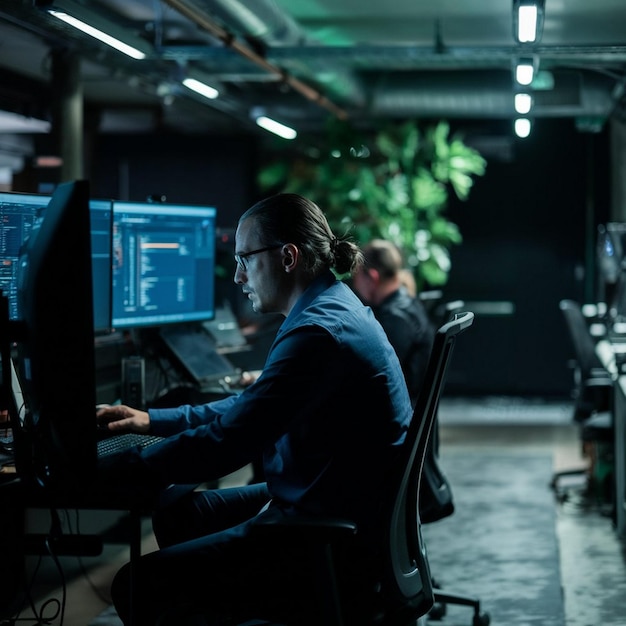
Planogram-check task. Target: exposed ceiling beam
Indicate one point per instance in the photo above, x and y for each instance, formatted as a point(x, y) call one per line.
point(204, 21)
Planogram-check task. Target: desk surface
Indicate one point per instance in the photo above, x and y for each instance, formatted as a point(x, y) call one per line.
point(606, 354)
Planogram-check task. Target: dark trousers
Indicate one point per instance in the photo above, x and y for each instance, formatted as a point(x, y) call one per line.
point(207, 563)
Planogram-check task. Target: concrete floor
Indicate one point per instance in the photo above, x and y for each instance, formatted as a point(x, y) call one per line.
point(592, 556)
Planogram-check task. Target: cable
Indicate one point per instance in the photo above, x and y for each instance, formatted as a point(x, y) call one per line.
point(56, 532)
point(38, 619)
point(83, 569)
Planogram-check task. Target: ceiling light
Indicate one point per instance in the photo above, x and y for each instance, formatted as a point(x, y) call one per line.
point(46, 161)
point(527, 20)
point(523, 103)
point(202, 88)
point(525, 71)
point(276, 127)
point(6, 176)
point(98, 34)
point(522, 127)
point(527, 24)
point(15, 123)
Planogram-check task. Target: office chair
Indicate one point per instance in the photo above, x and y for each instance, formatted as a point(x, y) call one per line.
point(592, 395)
point(430, 299)
point(404, 593)
point(444, 311)
point(436, 500)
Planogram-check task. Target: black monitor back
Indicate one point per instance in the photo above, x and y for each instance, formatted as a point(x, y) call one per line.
point(55, 346)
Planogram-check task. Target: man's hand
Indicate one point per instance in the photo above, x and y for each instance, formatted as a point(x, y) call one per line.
point(123, 418)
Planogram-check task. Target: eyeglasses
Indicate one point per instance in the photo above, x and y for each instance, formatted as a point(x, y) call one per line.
point(241, 259)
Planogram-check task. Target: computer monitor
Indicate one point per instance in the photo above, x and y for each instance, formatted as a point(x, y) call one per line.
point(18, 214)
point(55, 345)
point(611, 251)
point(101, 218)
point(163, 264)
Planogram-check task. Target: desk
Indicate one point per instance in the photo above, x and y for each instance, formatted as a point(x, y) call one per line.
point(18, 540)
point(620, 456)
point(606, 352)
point(21, 506)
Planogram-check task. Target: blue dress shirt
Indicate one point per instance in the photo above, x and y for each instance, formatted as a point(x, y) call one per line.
point(326, 413)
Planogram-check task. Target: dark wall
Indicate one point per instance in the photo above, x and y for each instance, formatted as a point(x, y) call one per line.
point(217, 171)
point(528, 229)
point(529, 239)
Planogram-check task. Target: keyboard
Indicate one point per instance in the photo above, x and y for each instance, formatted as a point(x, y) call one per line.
point(119, 443)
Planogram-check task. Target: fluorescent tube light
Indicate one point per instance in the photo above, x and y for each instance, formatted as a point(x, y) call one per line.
point(524, 72)
point(522, 127)
point(98, 34)
point(528, 18)
point(527, 23)
point(275, 127)
point(14, 123)
point(204, 90)
point(523, 102)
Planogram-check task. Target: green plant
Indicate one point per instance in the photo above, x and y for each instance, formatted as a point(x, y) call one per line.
point(392, 184)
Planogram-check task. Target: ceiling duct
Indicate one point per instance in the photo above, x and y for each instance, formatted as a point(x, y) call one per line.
point(406, 94)
point(482, 94)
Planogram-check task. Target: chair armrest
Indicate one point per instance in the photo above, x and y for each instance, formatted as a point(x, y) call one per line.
point(325, 529)
point(599, 372)
point(599, 382)
point(599, 427)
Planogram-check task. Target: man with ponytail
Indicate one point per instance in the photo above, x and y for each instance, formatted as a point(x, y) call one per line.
point(325, 415)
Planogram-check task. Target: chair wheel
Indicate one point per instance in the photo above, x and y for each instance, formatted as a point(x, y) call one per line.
point(437, 611)
point(481, 620)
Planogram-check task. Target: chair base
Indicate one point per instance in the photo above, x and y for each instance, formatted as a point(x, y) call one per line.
point(582, 472)
point(443, 598)
point(596, 478)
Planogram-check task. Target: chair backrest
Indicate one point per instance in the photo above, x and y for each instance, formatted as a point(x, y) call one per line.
point(445, 311)
point(436, 499)
point(407, 583)
point(582, 341)
point(430, 299)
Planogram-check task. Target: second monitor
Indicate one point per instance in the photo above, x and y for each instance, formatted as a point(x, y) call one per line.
point(163, 264)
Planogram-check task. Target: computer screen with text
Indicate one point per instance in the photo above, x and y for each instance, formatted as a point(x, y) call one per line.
point(163, 264)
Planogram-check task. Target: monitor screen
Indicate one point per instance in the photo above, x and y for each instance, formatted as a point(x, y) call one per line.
point(18, 214)
point(610, 251)
point(163, 264)
point(101, 218)
point(55, 347)
point(610, 257)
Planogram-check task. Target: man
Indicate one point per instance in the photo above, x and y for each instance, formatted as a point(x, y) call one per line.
point(379, 282)
point(326, 414)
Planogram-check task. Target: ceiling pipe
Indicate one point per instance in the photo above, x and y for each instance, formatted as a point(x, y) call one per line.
point(229, 40)
point(261, 20)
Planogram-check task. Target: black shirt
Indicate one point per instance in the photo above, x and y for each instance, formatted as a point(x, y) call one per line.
point(410, 332)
